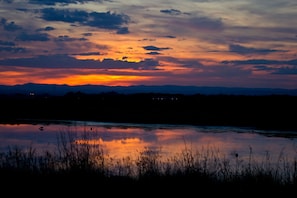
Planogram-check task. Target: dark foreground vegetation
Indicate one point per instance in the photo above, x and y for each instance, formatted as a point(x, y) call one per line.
point(265, 112)
point(84, 169)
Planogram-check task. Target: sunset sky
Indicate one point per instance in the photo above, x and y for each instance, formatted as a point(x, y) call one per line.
point(232, 43)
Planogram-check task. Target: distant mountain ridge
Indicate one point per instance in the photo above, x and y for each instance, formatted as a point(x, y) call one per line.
point(53, 89)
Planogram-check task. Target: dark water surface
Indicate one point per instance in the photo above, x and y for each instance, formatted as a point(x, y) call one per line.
point(120, 140)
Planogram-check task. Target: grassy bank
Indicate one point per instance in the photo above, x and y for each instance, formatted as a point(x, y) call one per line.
point(85, 168)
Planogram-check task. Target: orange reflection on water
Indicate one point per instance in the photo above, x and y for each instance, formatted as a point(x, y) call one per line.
point(118, 148)
point(120, 141)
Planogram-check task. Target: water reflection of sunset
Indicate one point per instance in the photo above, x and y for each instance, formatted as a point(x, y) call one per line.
point(128, 140)
point(119, 148)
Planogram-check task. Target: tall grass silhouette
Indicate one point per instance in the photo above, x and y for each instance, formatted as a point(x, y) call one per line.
point(80, 162)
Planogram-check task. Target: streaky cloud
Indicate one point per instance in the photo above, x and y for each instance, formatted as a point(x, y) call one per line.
point(87, 54)
point(153, 53)
point(249, 50)
point(12, 49)
point(154, 48)
point(66, 38)
point(64, 2)
point(32, 37)
point(261, 62)
point(286, 71)
point(66, 61)
point(273, 66)
point(7, 43)
point(171, 11)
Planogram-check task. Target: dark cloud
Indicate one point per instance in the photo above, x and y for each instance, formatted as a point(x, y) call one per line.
point(87, 34)
point(32, 37)
point(105, 20)
point(263, 68)
point(123, 30)
point(54, 2)
point(148, 64)
point(154, 48)
point(65, 38)
point(8, 46)
point(286, 70)
point(153, 53)
point(147, 39)
point(249, 50)
point(7, 43)
point(261, 62)
point(23, 9)
point(169, 36)
point(171, 12)
point(53, 61)
point(87, 54)
point(282, 67)
point(12, 49)
point(46, 29)
point(9, 26)
point(48, 2)
point(65, 61)
point(52, 14)
point(7, 1)
point(280, 70)
point(292, 62)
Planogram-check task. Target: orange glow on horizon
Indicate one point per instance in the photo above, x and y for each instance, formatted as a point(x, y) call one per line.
point(38, 76)
point(103, 79)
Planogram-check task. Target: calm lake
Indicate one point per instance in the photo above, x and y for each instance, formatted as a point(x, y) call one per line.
point(119, 140)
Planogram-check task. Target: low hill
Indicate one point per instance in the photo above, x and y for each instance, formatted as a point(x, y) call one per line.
point(53, 89)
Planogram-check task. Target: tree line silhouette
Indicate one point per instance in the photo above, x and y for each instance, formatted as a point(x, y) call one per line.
point(259, 111)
